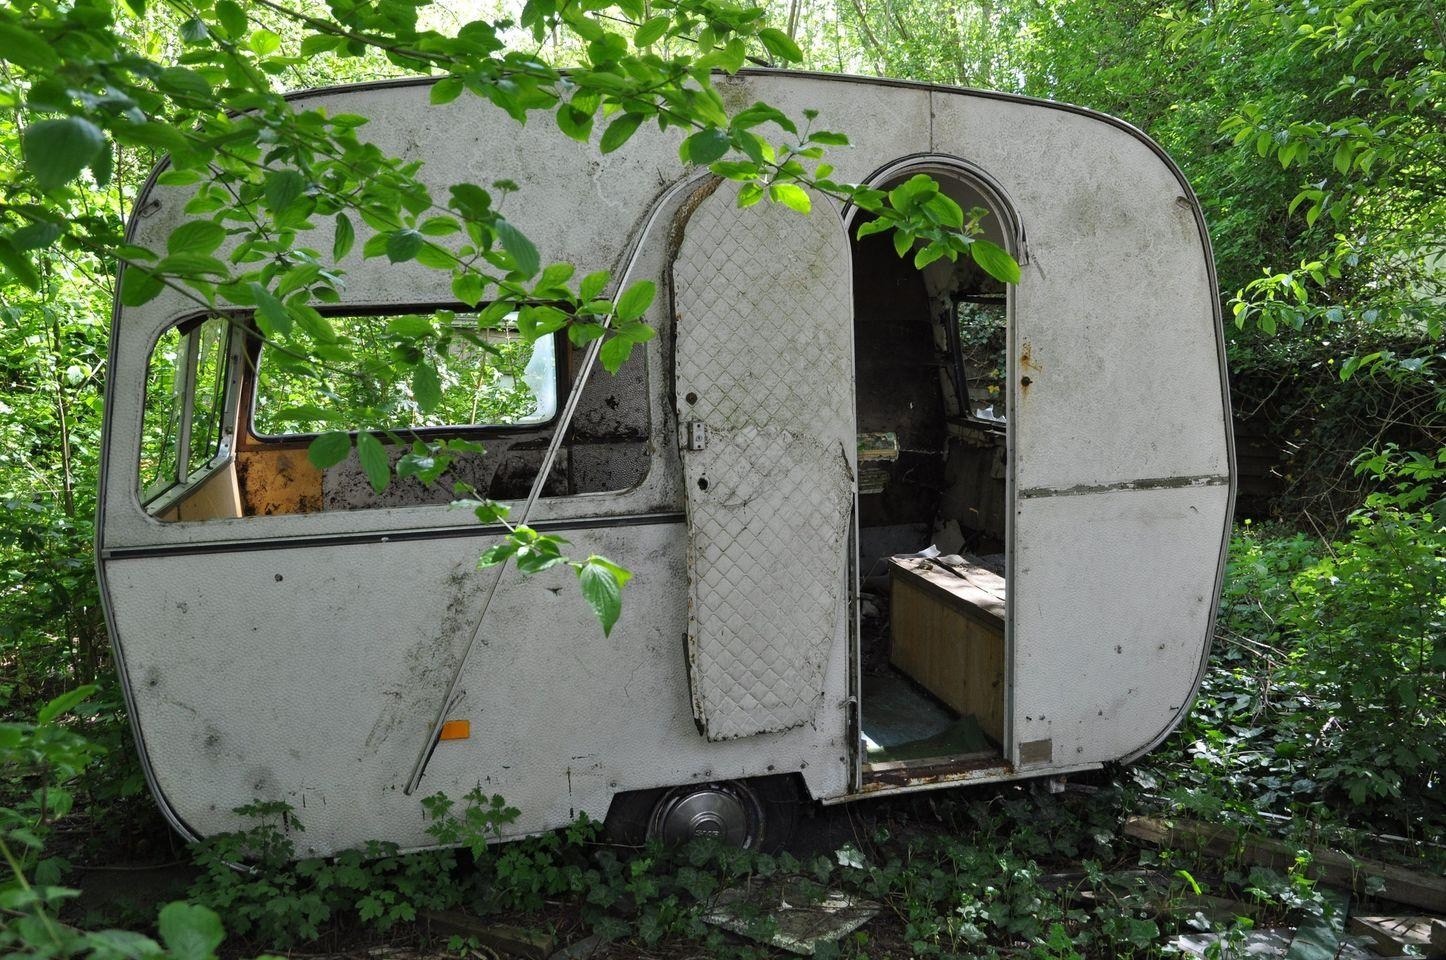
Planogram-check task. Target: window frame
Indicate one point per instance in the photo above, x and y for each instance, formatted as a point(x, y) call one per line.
point(249, 438)
point(956, 357)
point(157, 499)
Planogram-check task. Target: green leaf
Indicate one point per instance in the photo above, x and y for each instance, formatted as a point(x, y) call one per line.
point(704, 147)
point(373, 457)
point(20, 267)
point(57, 150)
point(26, 49)
point(271, 314)
point(196, 236)
point(139, 286)
point(282, 189)
point(593, 284)
point(615, 353)
point(471, 201)
point(619, 131)
point(329, 449)
point(36, 236)
point(515, 242)
point(995, 260)
point(190, 931)
point(467, 288)
point(426, 387)
point(64, 703)
point(232, 18)
point(780, 44)
point(445, 90)
point(829, 138)
point(791, 195)
point(635, 300)
point(344, 237)
point(651, 32)
point(602, 583)
point(402, 245)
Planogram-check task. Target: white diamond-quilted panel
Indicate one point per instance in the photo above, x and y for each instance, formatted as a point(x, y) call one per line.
point(764, 359)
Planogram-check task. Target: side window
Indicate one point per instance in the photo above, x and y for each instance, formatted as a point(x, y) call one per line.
point(185, 433)
point(485, 379)
point(983, 342)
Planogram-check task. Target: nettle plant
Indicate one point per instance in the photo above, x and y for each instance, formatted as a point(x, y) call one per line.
point(265, 171)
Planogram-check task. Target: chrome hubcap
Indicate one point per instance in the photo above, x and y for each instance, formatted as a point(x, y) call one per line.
point(719, 811)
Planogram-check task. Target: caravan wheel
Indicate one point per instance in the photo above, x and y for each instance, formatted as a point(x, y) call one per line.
point(748, 814)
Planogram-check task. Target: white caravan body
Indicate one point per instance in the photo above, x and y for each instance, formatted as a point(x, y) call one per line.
point(279, 643)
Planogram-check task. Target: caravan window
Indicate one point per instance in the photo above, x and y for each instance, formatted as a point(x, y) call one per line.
point(983, 333)
point(491, 378)
point(184, 431)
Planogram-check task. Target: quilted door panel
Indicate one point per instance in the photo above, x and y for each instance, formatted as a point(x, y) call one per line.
point(764, 362)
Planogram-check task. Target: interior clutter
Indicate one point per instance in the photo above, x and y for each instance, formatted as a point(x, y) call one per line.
point(931, 363)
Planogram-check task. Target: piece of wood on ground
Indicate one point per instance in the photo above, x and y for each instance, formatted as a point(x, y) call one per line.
point(789, 918)
point(1318, 937)
point(1394, 935)
point(1327, 866)
point(502, 938)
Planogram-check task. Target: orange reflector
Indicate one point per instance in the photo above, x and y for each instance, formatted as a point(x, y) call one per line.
point(456, 730)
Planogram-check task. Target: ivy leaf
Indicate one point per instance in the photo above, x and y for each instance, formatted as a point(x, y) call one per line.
point(190, 931)
point(515, 242)
point(602, 583)
point(329, 449)
point(57, 150)
point(994, 260)
point(373, 457)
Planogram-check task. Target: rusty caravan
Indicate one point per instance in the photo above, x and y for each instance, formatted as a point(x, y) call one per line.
point(891, 529)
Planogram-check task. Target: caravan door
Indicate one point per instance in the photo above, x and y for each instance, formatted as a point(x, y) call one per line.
point(764, 393)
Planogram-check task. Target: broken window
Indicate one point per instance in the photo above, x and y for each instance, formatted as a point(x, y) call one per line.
point(486, 378)
point(983, 342)
point(184, 433)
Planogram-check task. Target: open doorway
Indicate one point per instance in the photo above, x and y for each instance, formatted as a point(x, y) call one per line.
point(931, 368)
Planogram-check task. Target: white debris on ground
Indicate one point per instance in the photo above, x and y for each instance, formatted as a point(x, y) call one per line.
point(796, 921)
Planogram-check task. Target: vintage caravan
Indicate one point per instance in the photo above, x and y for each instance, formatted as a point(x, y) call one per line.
point(891, 530)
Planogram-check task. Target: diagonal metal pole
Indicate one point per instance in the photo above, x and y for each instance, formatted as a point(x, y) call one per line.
point(419, 767)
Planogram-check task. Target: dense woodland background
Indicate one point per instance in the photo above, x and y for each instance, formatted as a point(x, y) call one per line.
point(1315, 135)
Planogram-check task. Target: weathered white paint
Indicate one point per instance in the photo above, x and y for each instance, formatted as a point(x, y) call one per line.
point(300, 667)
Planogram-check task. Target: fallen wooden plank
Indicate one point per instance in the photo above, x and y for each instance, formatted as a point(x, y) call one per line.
point(1327, 866)
point(1392, 935)
point(502, 938)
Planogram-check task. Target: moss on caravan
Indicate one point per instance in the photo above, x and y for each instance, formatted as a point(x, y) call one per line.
point(814, 416)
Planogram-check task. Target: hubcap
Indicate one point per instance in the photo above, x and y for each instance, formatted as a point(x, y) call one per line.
point(721, 811)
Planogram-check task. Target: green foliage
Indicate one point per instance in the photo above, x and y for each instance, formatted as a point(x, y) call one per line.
point(1327, 701)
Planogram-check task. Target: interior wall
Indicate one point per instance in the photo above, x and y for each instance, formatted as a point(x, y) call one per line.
point(896, 367)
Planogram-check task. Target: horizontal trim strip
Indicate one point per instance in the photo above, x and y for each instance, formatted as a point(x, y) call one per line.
point(1151, 483)
point(389, 536)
